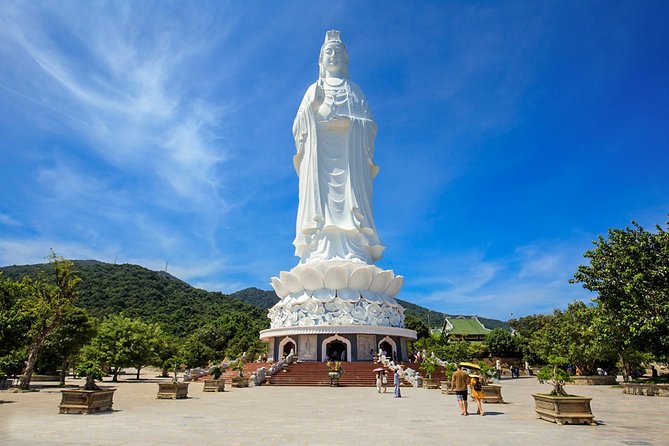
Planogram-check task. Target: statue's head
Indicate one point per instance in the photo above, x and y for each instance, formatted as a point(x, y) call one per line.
point(333, 56)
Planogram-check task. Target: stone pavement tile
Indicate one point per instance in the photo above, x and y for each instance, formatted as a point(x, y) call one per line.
point(327, 416)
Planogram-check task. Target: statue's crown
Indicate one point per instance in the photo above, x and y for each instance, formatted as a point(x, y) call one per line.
point(332, 36)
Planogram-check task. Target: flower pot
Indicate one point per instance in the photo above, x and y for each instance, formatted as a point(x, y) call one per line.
point(334, 378)
point(430, 383)
point(172, 390)
point(564, 409)
point(214, 385)
point(239, 381)
point(86, 401)
point(492, 393)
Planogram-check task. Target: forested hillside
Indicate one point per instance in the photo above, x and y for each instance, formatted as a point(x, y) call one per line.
point(150, 295)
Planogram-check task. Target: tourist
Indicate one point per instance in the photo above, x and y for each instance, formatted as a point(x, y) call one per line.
point(459, 385)
point(384, 381)
point(653, 372)
point(378, 382)
point(397, 384)
point(498, 370)
point(477, 392)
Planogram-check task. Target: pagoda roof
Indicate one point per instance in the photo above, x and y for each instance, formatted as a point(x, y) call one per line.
point(463, 325)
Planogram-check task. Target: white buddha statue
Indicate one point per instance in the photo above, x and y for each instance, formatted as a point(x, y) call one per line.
point(334, 135)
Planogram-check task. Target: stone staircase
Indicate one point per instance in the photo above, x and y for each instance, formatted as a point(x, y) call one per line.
point(356, 374)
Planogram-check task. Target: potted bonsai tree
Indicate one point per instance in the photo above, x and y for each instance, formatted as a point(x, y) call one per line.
point(334, 372)
point(90, 398)
point(173, 389)
point(558, 406)
point(492, 392)
point(428, 367)
point(215, 383)
point(240, 380)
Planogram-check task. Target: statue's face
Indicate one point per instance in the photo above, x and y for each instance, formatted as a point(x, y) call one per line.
point(334, 57)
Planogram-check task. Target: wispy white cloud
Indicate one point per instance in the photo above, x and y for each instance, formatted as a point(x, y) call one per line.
point(8, 220)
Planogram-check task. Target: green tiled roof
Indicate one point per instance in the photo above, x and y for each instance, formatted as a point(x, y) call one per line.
point(467, 326)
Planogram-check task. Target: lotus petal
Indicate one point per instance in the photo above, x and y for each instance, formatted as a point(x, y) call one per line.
point(311, 279)
point(324, 295)
point(348, 295)
point(371, 296)
point(279, 288)
point(381, 281)
point(290, 281)
point(335, 277)
point(360, 279)
point(394, 286)
point(301, 298)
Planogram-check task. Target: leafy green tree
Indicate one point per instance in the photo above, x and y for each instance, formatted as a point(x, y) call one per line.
point(14, 327)
point(525, 328)
point(501, 343)
point(76, 330)
point(413, 323)
point(629, 273)
point(49, 298)
point(574, 335)
point(123, 342)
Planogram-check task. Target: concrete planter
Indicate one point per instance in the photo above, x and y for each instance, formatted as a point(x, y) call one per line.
point(492, 393)
point(430, 383)
point(86, 401)
point(593, 380)
point(446, 388)
point(239, 382)
point(172, 390)
point(646, 389)
point(564, 409)
point(214, 385)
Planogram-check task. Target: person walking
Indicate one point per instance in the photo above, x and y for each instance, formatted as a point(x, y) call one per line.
point(459, 385)
point(397, 384)
point(378, 381)
point(384, 381)
point(477, 392)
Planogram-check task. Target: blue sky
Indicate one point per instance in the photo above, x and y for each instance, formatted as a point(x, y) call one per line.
point(511, 134)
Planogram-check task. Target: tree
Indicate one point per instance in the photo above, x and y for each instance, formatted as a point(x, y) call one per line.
point(49, 298)
point(413, 323)
point(629, 271)
point(525, 328)
point(122, 342)
point(14, 327)
point(76, 330)
point(501, 342)
point(574, 335)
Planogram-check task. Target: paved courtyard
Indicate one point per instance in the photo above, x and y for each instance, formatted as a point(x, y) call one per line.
point(326, 416)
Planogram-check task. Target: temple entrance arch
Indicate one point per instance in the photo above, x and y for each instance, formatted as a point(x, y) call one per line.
point(334, 346)
point(389, 346)
point(286, 345)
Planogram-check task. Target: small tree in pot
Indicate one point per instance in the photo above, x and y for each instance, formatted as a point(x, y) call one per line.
point(558, 406)
point(216, 384)
point(90, 398)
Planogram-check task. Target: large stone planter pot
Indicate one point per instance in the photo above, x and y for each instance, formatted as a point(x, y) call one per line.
point(214, 385)
point(239, 382)
point(492, 393)
point(646, 389)
point(446, 388)
point(334, 378)
point(564, 409)
point(594, 380)
point(86, 401)
point(172, 390)
point(430, 383)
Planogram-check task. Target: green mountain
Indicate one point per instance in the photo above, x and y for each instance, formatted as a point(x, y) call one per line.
point(157, 296)
point(150, 295)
